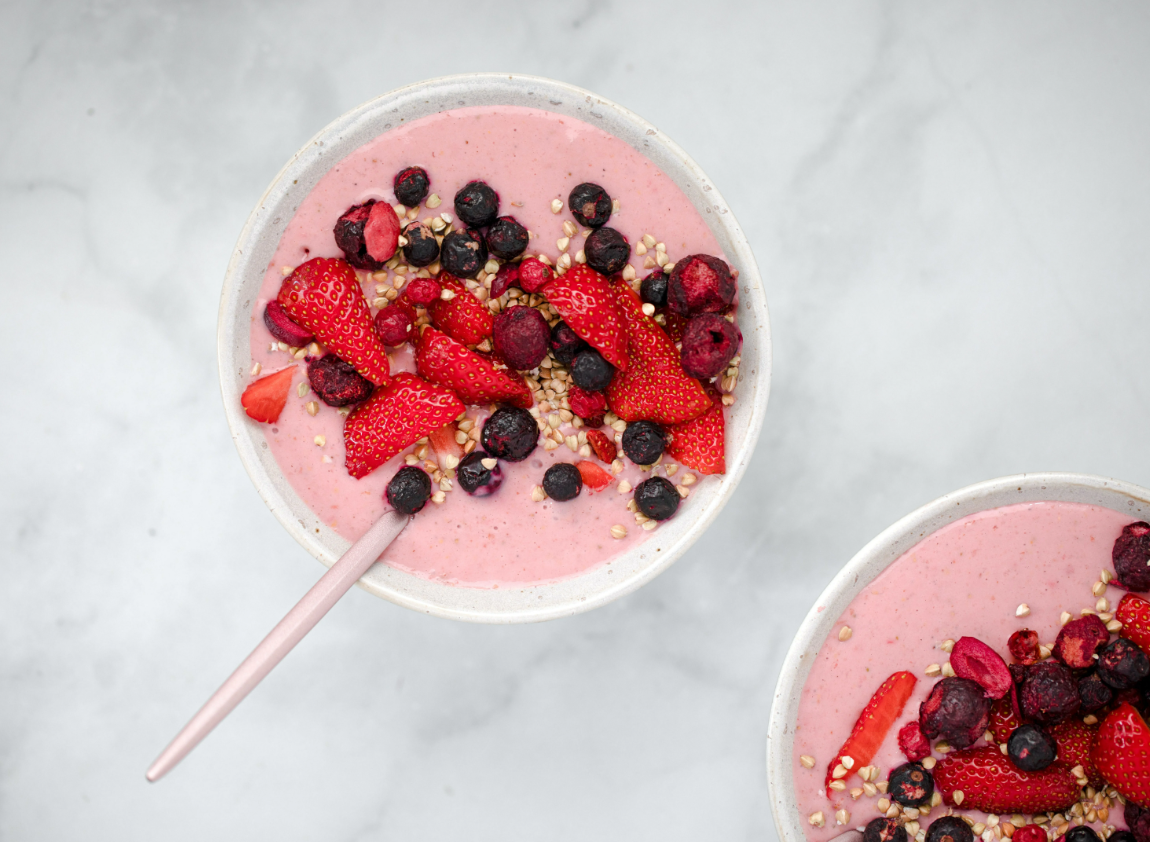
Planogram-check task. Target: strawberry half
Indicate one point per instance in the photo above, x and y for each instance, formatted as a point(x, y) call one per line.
point(463, 317)
point(583, 298)
point(594, 477)
point(871, 728)
point(602, 445)
point(989, 781)
point(1134, 615)
point(655, 387)
point(266, 398)
point(476, 380)
point(324, 296)
point(699, 443)
point(1122, 753)
point(1075, 740)
point(395, 418)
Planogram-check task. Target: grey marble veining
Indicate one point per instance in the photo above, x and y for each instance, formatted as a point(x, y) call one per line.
point(948, 204)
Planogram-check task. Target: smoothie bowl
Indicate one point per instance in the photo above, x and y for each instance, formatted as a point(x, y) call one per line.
point(510, 307)
point(978, 670)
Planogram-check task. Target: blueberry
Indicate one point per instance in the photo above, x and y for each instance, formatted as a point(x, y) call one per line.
point(1083, 833)
point(1122, 836)
point(1094, 693)
point(411, 184)
point(1122, 664)
point(422, 248)
point(653, 290)
point(910, 785)
point(957, 710)
point(590, 371)
point(562, 481)
point(349, 237)
point(949, 829)
point(565, 343)
point(506, 238)
point(510, 433)
point(409, 490)
point(644, 442)
point(590, 205)
point(1030, 748)
point(884, 830)
point(336, 382)
point(657, 498)
point(477, 204)
point(475, 477)
point(606, 250)
point(463, 253)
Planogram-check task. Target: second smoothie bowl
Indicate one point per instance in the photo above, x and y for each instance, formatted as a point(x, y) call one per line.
point(516, 307)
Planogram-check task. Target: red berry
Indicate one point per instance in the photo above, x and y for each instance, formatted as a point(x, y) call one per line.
point(1131, 556)
point(709, 343)
point(533, 274)
point(522, 337)
point(870, 729)
point(505, 278)
point(1023, 646)
point(587, 405)
point(266, 398)
point(957, 710)
point(973, 659)
point(393, 325)
point(990, 782)
point(584, 301)
point(1030, 833)
point(473, 377)
point(283, 328)
point(1079, 641)
point(700, 283)
point(602, 445)
point(594, 477)
point(463, 317)
point(336, 383)
point(1122, 753)
point(912, 742)
point(381, 232)
point(422, 291)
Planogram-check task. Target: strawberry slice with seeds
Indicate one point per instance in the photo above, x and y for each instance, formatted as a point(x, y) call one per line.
point(655, 387)
point(699, 443)
point(1122, 753)
point(1134, 615)
point(461, 316)
point(475, 378)
point(602, 445)
point(324, 296)
point(583, 299)
point(989, 781)
point(1003, 719)
point(266, 398)
point(393, 419)
point(871, 728)
point(444, 444)
point(594, 477)
point(1075, 740)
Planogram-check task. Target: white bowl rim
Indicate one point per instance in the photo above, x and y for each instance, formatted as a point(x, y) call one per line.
point(529, 603)
point(876, 556)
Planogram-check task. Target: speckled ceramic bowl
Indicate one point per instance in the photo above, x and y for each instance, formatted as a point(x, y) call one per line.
point(872, 560)
point(257, 243)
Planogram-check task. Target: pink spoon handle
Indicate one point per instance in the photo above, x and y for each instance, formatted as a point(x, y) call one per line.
point(282, 639)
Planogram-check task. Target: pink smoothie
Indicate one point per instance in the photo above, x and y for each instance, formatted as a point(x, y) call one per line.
point(967, 579)
point(529, 157)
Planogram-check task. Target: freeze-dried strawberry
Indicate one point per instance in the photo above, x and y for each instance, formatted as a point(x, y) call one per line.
point(603, 447)
point(872, 726)
point(1079, 641)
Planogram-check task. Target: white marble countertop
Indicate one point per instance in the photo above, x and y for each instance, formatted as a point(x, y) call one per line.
point(950, 208)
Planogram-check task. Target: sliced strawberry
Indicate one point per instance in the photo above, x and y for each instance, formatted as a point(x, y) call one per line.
point(473, 377)
point(655, 387)
point(1122, 753)
point(583, 298)
point(444, 444)
point(1134, 615)
point(395, 418)
point(462, 317)
point(675, 326)
point(1003, 719)
point(381, 232)
point(871, 728)
point(602, 445)
point(699, 443)
point(1075, 741)
point(266, 398)
point(594, 477)
point(324, 296)
point(989, 781)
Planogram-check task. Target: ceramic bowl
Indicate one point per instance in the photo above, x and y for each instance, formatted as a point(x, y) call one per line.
point(257, 243)
point(872, 560)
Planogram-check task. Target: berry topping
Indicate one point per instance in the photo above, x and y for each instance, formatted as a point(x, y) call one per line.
point(594, 477)
point(884, 830)
point(479, 474)
point(644, 442)
point(462, 316)
point(265, 399)
point(1049, 694)
point(709, 343)
point(409, 490)
point(1082, 833)
point(870, 729)
point(653, 290)
point(477, 204)
point(1030, 833)
point(956, 710)
point(473, 377)
point(607, 251)
point(505, 278)
point(506, 238)
point(1031, 749)
point(699, 443)
point(912, 742)
point(949, 829)
point(1134, 614)
point(1023, 646)
point(411, 185)
point(1122, 756)
point(337, 383)
point(584, 300)
point(603, 447)
point(393, 324)
point(565, 343)
point(1122, 664)
point(1122, 835)
point(283, 328)
point(590, 371)
point(590, 205)
point(700, 284)
point(1003, 719)
point(657, 498)
point(534, 274)
point(910, 785)
point(973, 659)
point(1131, 556)
point(463, 253)
point(1079, 640)
point(1075, 741)
point(422, 248)
point(562, 481)
point(443, 442)
point(1138, 820)
point(510, 433)
point(590, 406)
point(1093, 693)
point(990, 782)
point(349, 236)
point(422, 291)
point(522, 337)
point(381, 232)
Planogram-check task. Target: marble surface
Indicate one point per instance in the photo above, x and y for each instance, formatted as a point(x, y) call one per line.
point(949, 204)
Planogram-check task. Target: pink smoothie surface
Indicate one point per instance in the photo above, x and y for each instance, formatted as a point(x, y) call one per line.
point(967, 579)
point(529, 157)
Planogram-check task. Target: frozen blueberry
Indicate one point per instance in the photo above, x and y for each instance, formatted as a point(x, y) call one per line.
point(949, 829)
point(463, 253)
point(700, 283)
point(590, 205)
point(510, 433)
point(657, 498)
point(565, 343)
point(1049, 694)
point(643, 442)
point(506, 238)
point(709, 343)
point(393, 324)
point(910, 785)
point(349, 237)
point(607, 251)
point(653, 290)
point(1030, 748)
point(422, 248)
point(411, 185)
point(590, 371)
point(1094, 693)
point(280, 325)
point(884, 830)
point(956, 710)
point(1122, 664)
point(336, 382)
point(522, 337)
point(562, 481)
point(1083, 833)
point(477, 204)
point(1131, 556)
point(409, 490)
point(479, 474)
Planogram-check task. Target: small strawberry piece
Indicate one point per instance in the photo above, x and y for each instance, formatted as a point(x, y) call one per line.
point(422, 291)
point(463, 317)
point(594, 477)
point(395, 418)
point(1075, 740)
point(381, 232)
point(583, 299)
point(1122, 753)
point(603, 446)
point(444, 444)
point(655, 387)
point(876, 719)
point(990, 782)
point(324, 296)
point(1134, 615)
point(473, 377)
point(699, 443)
point(1003, 719)
point(1030, 833)
point(587, 405)
point(912, 742)
point(973, 659)
point(266, 398)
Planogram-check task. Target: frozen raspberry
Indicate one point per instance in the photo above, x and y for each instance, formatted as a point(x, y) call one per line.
point(479, 474)
point(1131, 556)
point(477, 204)
point(590, 406)
point(644, 442)
point(709, 343)
point(657, 498)
point(409, 490)
point(912, 742)
point(1122, 664)
point(911, 785)
point(505, 278)
point(534, 274)
point(949, 829)
point(393, 325)
point(1049, 694)
point(562, 482)
point(349, 236)
point(1138, 821)
point(1023, 646)
point(337, 383)
point(1030, 748)
point(422, 291)
point(463, 253)
point(700, 283)
point(590, 371)
point(506, 238)
point(956, 710)
point(653, 290)
point(422, 248)
point(522, 337)
point(565, 343)
point(411, 185)
point(1082, 833)
point(510, 433)
point(973, 659)
point(606, 250)
point(283, 328)
point(590, 205)
point(1031, 833)
point(1093, 693)
point(1079, 640)
point(884, 830)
